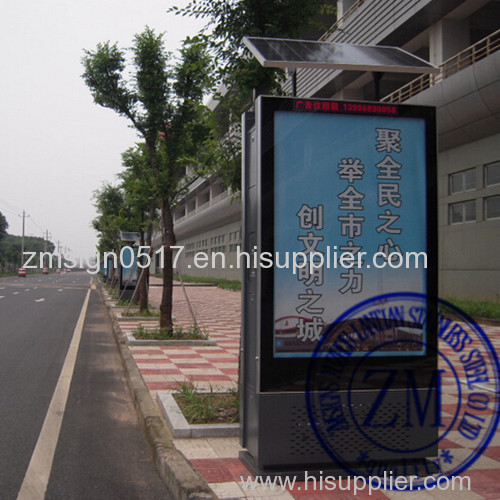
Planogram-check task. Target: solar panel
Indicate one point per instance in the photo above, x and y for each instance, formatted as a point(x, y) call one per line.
point(283, 53)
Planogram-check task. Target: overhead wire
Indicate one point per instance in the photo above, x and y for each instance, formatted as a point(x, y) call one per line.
point(9, 207)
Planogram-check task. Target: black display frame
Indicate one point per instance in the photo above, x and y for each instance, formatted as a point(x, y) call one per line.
point(280, 374)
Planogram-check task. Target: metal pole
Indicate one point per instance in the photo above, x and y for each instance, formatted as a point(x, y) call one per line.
point(22, 241)
point(377, 76)
point(294, 83)
point(22, 238)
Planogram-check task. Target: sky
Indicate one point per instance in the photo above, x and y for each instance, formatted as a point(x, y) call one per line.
point(56, 146)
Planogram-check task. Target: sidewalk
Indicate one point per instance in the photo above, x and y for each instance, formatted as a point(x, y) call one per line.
point(218, 313)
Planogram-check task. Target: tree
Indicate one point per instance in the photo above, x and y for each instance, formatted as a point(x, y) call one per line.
point(4, 258)
point(139, 194)
point(109, 203)
point(3, 225)
point(10, 249)
point(228, 21)
point(114, 214)
point(164, 104)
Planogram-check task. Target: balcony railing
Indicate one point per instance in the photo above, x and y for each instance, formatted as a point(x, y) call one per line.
point(458, 62)
point(200, 208)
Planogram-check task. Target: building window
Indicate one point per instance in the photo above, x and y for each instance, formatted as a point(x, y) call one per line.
point(492, 173)
point(463, 212)
point(492, 207)
point(463, 181)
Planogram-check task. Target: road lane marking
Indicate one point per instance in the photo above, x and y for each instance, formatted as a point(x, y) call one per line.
point(2, 296)
point(15, 293)
point(39, 300)
point(37, 475)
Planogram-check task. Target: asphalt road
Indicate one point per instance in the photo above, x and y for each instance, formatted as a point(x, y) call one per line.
point(100, 452)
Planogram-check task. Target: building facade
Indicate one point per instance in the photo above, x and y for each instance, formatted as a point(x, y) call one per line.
point(208, 222)
point(462, 37)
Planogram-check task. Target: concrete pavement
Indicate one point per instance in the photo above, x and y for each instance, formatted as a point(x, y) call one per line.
point(216, 459)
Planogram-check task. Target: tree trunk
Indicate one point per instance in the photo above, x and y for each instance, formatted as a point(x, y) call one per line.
point(144, 280)
point(142, 285)
point(143, 290)
point(168, 272)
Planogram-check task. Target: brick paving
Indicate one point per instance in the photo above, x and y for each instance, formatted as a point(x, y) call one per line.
point(218, 313)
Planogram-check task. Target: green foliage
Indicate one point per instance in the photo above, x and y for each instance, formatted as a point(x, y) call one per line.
point(104, 76)
point(185, 137)
point(194, 76)
point(138, 187)
point(207, 407)
point(228, 21)
point(177, 332)
point(161, 99)
point(163, 103)
point(121, 302)
point(113, 216)
point(3, 225)
point(10, 249)
point(477, 308)
point(220, 282)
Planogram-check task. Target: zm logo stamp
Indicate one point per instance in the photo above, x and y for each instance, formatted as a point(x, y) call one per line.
point(404, 383)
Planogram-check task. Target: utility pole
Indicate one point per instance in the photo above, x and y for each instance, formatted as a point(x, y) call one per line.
point(22, 238)
point(45, 243)
point(59, 258)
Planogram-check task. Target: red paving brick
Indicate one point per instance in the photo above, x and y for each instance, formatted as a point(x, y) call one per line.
point(485, 482)
point(161, 386)
point(160, 371)
point(218, 313)
point(213, 470)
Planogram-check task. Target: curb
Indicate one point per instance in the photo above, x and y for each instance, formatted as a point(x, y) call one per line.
point(139, 318)
point(181, 428)
point(174, 469)
point(131, 340)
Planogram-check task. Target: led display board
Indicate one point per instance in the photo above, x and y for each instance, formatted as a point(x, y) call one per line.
point(348, 213)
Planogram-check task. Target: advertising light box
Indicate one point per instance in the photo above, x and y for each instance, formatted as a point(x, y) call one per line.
point(128, 268)
point(339, 309)
point(348, 198)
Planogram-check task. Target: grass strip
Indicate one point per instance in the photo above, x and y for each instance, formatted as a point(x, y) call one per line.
point(176, 333)
point(478, 308)
point(220, 282)
point(207, 407)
